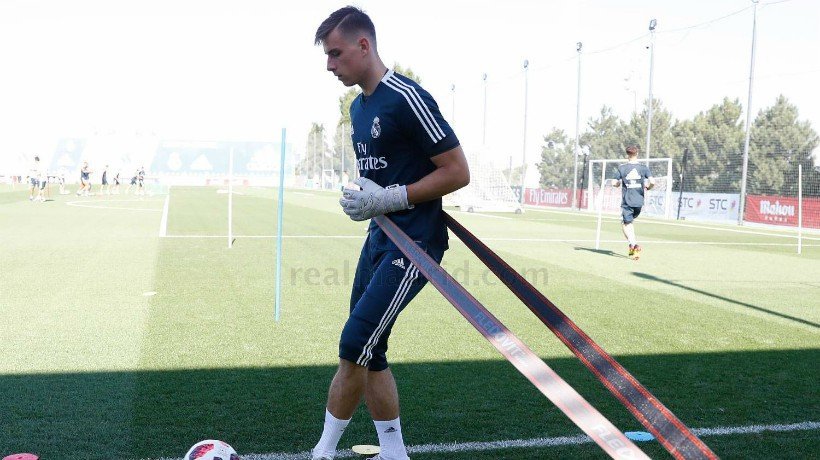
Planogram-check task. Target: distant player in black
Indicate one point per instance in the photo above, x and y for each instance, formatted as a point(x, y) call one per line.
point(133, 181)
point(635, 178)
point(116, 188)
point(408, 158)
point(104, 187)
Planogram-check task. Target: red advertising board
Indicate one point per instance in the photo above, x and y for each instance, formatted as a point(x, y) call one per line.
point(782, 210)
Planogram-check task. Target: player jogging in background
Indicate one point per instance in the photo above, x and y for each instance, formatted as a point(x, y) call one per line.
point(133, 182)
point(634, 177)
point(408, 158)
point(141, 181)
point(36, 179)
point(85, 180)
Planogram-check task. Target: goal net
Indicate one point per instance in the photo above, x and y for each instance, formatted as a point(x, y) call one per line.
point(488, 190)
point(657, 202)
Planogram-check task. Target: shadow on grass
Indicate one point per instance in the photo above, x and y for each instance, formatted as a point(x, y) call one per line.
point(605, 252)
point(142, 414)
point(647, 276)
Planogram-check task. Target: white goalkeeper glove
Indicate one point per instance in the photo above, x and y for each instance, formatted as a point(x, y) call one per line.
point(373, 200)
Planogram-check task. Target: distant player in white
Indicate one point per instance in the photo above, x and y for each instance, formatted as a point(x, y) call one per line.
point(635, 177)
point(141, 181)
point(36, 178)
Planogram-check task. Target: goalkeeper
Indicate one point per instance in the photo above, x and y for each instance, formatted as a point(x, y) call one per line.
point(408, 158)
point(634, 177)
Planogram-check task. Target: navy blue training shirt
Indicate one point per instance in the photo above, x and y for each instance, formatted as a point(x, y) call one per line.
point(396, 130)
point(632, 176)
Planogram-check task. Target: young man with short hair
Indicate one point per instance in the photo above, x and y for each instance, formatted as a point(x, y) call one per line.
point(634, 177)
point(408, 158)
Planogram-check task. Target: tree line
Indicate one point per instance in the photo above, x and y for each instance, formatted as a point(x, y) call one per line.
point(710, 145)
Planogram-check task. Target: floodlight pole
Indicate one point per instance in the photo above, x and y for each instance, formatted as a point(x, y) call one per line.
point(524, 154)
point(652, 24)
point(484, 126)
point(745, 170)
point(577, 127)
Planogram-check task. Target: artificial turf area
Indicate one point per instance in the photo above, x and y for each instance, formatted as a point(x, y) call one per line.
point(119, 343)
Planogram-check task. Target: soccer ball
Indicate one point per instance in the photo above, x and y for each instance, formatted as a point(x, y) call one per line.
point(211, 449)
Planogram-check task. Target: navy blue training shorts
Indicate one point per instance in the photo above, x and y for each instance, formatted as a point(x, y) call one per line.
point(629, 213)
point(384, 284)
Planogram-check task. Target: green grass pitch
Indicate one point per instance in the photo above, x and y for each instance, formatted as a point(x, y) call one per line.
point(117, 343)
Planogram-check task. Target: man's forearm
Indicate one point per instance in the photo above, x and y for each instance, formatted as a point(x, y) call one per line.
point(438, 183)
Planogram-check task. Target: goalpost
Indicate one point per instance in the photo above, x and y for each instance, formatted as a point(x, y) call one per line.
point(602, 198)
point(657, 202)
point(488, 189)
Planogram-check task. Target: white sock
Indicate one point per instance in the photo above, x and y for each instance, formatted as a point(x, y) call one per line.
point(390, 440)
point(629, 231)
point(326, 447)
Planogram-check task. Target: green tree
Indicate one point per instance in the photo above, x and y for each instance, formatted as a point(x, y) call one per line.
point(714, 140)
point(342, 145)
point(604, 135)
point(663, 139)
point(779, 142)
point(315, 150)
point(557, 155)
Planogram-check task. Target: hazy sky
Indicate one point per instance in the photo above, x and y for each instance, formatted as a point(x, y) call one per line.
point(243, 69)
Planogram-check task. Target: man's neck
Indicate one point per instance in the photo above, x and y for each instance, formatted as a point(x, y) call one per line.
point(373, 78)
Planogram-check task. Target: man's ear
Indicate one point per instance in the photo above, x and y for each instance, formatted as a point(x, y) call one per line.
point(364, 45)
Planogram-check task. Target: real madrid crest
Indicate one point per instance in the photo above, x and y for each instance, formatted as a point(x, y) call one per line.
point(376, 129)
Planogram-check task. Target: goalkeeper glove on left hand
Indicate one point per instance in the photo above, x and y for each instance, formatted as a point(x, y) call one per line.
point(373, 200)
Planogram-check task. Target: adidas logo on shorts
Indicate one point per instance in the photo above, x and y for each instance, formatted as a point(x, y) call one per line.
point(399, 263)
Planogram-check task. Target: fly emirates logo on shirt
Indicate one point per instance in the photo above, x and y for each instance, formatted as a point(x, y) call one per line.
point(367, 162)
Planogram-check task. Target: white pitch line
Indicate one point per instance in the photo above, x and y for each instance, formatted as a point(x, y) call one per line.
point(677, 224)
point(445, 448)
point(525, 240)
point(163, 223)
point(87, 204)
point(329, 237)
point(484, 215)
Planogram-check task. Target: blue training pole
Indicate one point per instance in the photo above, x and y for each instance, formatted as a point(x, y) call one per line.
point(279, 226)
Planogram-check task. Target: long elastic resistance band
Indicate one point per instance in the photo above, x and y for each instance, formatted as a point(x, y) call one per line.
point(660, 421)
point(586, 417)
